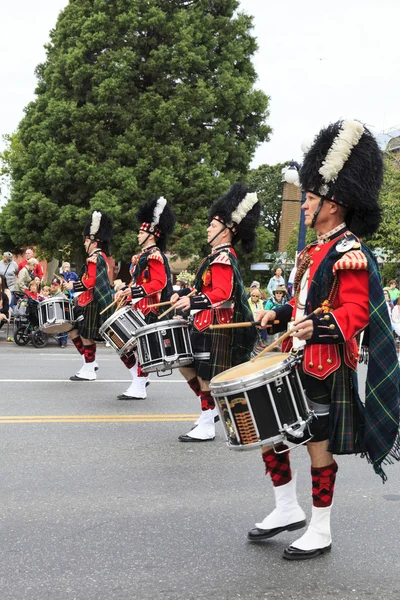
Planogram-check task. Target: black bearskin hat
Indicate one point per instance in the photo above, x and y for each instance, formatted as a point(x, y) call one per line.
point(156, 217)
point(99, 228)
point(345, 165)
point(239, 209)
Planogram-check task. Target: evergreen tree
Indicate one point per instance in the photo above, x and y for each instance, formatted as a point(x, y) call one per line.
point(137, 98)
point(266, 180)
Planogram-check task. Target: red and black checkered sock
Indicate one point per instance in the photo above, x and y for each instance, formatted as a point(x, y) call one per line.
point(90, 353)
point(277, 466)
point(207, 401)
point(140, 372)
point(79, 345)
point(194, 384)
point(129, 360)
point(323, 484)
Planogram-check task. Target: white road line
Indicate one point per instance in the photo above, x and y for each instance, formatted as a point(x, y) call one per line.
point(97, 381)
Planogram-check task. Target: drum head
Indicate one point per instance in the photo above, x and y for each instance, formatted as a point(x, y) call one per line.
point(251, 368)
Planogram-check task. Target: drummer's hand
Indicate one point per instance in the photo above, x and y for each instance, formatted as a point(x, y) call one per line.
point(122, 293)
point(303, 330)
point(182, 303)
point(265, 316)
point(67, 285)
point(174, 298)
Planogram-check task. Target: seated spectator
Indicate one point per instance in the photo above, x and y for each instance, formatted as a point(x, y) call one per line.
point(254, 285)
point(57, 290)
point(25, 275)
point(278, 299)
point(46, 291)
point(255, 301)
point(394, 292)
point(4, 302)
point(33, 291)
point(67, 274)
point(28, 255)
point(9, 268)
point(275, 281)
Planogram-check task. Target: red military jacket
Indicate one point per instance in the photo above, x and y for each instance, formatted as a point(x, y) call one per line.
point(152, 280)
point(216, 290)
point(87, 282)
point(347, 316)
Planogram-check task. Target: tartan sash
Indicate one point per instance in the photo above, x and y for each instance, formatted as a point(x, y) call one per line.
point(379, 436)
point(243, 338)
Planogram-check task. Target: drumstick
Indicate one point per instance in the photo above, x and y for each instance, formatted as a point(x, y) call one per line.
point(60, 277)
point(243, 324)
point(284, 336)
point(121, 303)
point(109, 306)
point(192, 293)
point(161, 304)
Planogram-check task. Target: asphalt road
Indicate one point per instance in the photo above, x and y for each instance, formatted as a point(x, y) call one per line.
point(99, 500)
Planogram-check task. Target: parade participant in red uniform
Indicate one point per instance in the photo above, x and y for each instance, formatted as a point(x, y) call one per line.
point(220, 298)
point(151, 279)
point(95, 294)
point(341, 174)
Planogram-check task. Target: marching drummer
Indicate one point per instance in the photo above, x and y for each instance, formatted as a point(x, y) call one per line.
point(96, 294)
point(151, 280)
point(220, 298)
point(341, 174)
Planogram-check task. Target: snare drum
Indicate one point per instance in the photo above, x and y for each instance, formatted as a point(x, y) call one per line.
point(120, 329)
point(261, 402)
point(55, 315)
point(164, 345)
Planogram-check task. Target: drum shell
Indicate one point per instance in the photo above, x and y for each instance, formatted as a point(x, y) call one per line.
point(164, 345)
point(257, 409)
point(55, 315)
point(120, 329)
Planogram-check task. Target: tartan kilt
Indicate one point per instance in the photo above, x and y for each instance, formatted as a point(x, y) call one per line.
point(218, 343)
point(92, 321)
point(344, 427)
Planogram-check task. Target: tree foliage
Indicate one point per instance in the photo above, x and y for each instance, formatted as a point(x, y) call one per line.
point(387, 238)
point(267, 181)
point(136, 98)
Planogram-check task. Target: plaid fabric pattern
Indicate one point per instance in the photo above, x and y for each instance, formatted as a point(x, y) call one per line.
point(277, 466)
point(218, 343)
point(102, 297)
point(323, 484)
point(242, 339)
point(142, 265)
point(79, 345)
point(378, 436)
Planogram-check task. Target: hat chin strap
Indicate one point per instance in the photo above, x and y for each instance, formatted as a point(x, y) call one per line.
point(145, 239)
point(217, 234)
point(314, 219)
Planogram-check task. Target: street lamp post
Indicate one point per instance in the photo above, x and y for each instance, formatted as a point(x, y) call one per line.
point(292, 176)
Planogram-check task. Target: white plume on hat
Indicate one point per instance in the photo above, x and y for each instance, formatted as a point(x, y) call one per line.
point(95, 224)
point(349, 135)
point(244, 207)
point(161, 204)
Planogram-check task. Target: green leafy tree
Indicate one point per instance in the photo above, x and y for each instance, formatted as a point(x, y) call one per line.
point(136, 98)
point(267, 181)
point(387, 238)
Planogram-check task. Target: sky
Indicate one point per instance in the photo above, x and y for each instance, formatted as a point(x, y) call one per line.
point(318, 62)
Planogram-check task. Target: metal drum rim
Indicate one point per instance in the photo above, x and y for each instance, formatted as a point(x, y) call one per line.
point(253, 380)
point(113, 317)
point(154, 327)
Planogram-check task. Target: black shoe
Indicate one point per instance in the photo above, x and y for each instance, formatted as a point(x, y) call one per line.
point(256, 534)
point(292, 553)
point(123, 397)
point(187, 438)
point(76, 378)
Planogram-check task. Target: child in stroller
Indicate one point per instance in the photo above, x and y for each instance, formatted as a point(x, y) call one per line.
point(26, 322)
